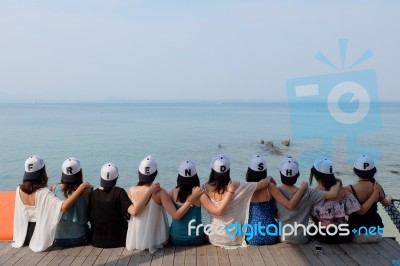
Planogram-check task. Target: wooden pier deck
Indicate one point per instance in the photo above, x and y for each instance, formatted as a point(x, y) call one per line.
point(281, 254)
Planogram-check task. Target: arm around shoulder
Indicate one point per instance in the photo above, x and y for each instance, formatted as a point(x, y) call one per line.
point(74, 196)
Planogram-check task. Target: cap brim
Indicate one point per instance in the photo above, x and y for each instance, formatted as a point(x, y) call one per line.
point(71, 178)
point(108, 183)
point(33, 175)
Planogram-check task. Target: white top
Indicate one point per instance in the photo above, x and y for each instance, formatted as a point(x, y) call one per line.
point(46, 213)
point(149, 230)
point(237, 211)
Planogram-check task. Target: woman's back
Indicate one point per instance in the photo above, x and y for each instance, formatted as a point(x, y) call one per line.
point(148, 230)
point(74, 222)
point(109, 217)
point(363, 189)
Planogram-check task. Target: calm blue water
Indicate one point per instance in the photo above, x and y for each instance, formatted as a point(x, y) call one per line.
point(125, 133)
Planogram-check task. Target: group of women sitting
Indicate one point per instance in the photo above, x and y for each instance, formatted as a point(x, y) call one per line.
point(71, 213)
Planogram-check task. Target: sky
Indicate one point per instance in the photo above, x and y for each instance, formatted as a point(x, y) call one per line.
point(76, 51)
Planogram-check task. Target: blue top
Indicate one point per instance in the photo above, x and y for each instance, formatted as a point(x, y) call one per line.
point(262, 213)
point(179, 228)
point(74, 222)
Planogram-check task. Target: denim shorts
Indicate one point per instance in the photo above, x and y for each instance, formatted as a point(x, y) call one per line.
point(71, 242)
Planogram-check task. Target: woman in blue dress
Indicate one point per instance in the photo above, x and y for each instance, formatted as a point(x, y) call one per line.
point(262, 205)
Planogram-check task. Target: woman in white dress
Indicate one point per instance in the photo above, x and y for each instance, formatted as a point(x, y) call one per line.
point(236, 213)
point(149, 229)
point(37, 210)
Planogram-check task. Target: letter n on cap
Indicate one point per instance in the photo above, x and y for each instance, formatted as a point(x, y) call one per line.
point(188, 172)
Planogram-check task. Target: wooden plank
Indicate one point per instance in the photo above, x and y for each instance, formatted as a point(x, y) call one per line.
point(387, 250)
point(310, 254)
point(201, 255)
point(103, 256)
point(8, 253)
point(57, 260)
point(114, 256)
point(234, 257)
point(337, 255)
point(393, 243)
point(343, 255)
point(82, 256)
point(5, 246)
point(49, 256)
point(190, 256)
point(71, 256)
point(322, 255)
point(179, 258)
point(212, 258)
point(370, 249)
point(293, 254)
point(135, 258)
point(245, 256)
point(17, 256)
point(255, 255)
point(359, 254)
point(169, 253)
point(277, 254)
point(33, 258)
point(92, 256)
point(223, 258)
point(145, 258)
point(267, 256)
point(124, 258)
point(158, 257)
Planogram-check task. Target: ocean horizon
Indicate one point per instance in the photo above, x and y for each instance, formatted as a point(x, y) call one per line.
point(173, 131)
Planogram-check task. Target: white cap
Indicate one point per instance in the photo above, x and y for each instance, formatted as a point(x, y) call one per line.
point(34, 164)
point(71, 166)
point(148, 166)
point(109, 172)
point(324, 165)
point(258, 163)
point(364, 163)
point(220, 164)
point(289, 167)
point(187, 169)
point(32, 167)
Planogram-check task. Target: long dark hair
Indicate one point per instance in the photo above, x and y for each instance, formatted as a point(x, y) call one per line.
point(185, 186)
point(219, 180)
point(369, 174)
point(31, 186)
point(255, 176)
point(141, 183)
point(327, 180)
point(70, 187)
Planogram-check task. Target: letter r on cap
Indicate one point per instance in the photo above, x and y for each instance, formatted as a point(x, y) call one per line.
point(69, 170)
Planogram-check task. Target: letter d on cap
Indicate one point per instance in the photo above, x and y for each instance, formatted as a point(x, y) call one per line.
point(223, 168)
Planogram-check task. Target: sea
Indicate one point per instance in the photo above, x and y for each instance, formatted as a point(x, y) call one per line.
point(125, 133)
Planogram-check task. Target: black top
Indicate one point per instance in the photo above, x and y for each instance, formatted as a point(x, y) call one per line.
point(109, 214)
point(369, 219)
